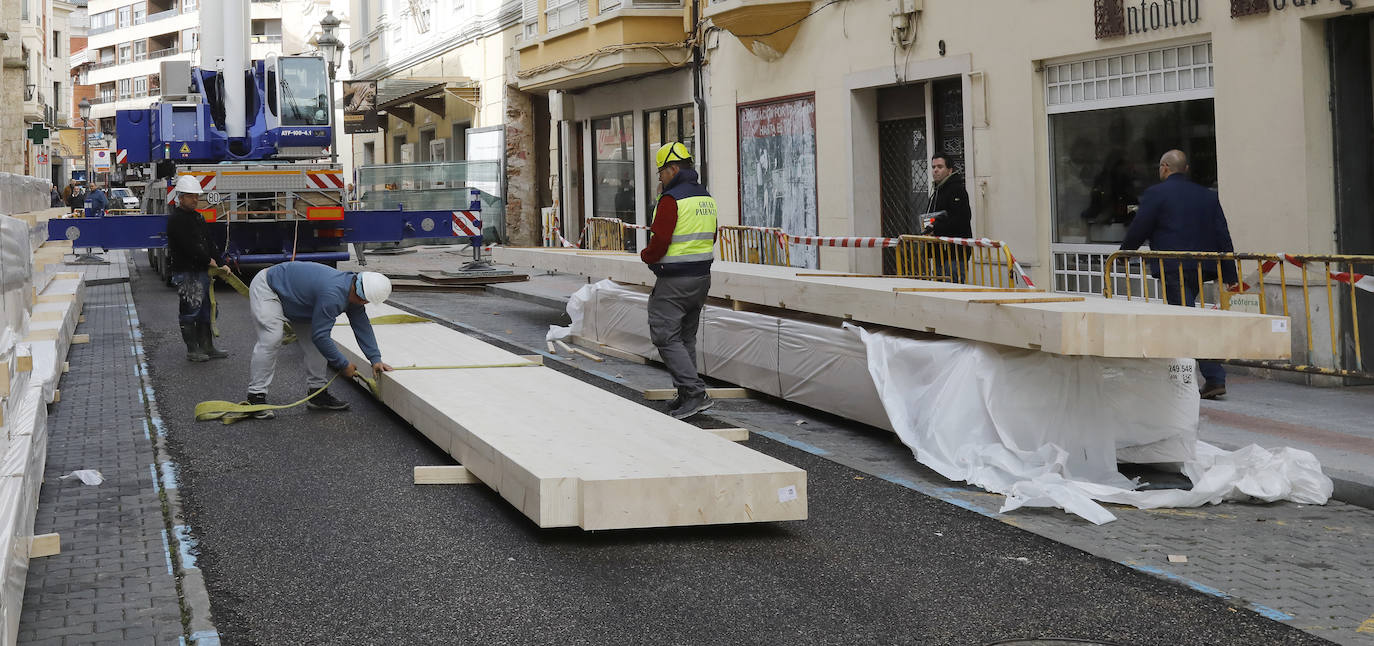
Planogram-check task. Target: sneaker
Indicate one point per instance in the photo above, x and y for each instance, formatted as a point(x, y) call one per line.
point(257, 399)
point(1213, 390)
point(326, 401)
point(693, 406)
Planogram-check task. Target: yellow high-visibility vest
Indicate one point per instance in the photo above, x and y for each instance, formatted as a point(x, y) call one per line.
point(694, 237)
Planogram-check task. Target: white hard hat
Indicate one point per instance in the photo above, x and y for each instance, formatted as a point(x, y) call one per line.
point(373, 287)
point(188, 184)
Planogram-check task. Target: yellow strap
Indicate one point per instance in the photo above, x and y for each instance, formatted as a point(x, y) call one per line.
point(393, 319)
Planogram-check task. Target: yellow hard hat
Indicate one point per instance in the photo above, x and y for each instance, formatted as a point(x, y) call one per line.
point(674, 151)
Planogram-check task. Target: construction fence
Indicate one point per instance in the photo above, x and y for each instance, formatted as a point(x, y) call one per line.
point(1328, 298)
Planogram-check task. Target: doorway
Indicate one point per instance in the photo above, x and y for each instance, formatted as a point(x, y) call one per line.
point(1352, 121)
point(903, 163)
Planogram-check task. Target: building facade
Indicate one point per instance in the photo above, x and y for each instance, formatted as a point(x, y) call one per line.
point(33, 80)
point(443, 100)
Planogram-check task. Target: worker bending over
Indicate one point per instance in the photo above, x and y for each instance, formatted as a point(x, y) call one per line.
point(312, 296)
point(191, 258)
point(680, 253)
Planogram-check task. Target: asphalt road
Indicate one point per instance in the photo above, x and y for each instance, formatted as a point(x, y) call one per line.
point(310, 532)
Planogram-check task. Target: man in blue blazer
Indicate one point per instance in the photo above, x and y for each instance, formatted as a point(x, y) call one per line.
point(1179, 215)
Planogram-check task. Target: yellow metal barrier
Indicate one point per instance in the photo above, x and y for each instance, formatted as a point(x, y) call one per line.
point(754, 245)
point(605, 234)
point(1339, 277)
point(986, 263)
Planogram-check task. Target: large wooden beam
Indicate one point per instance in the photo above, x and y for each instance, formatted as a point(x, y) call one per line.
point(564, 452)
point(1089, 327)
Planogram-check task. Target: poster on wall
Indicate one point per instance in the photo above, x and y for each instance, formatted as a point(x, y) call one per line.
point(777, 178)
point(360, 107)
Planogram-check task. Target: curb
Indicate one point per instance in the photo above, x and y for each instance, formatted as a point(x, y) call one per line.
point(194, 597)
point(1349, 488)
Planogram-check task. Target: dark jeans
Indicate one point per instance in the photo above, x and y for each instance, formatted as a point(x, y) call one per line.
point(193, 296)
point(954, 267)
point(674, 317)
point(1212, 371)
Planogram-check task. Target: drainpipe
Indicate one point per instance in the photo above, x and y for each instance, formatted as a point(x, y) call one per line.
point(697, 97)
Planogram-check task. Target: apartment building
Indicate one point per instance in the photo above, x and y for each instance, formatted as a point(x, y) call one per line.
point(127, 42)
point(34, 80)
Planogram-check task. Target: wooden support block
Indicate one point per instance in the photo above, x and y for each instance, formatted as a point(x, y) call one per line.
point(47, 316)
point(82, 319)
point(552, 350)
point(56, 395)
point(588, 355)
point(732, 434)
point(665, 394)
point(438, 475)
point(610, 350)
point(81, 338)
point(56, 298)
point(23, 364)
point(45, 545)
point(533, 358)
point(66, 367)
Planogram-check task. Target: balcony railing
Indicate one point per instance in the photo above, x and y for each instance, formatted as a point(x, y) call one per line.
point(163, 53)
point(163, 15)
point(266, 38)
point(101, 30)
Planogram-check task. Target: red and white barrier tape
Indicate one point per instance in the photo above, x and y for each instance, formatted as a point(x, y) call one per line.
point(1255, 278)
point(843, 241)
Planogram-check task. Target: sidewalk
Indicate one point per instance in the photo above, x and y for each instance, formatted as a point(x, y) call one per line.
point(116, 579)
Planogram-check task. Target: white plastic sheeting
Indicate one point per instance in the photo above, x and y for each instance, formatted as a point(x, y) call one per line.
point(23, 193)
point(1042, 429)
point(22, 469)
point(1047, 430)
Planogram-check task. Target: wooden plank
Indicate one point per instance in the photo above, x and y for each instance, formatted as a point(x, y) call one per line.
point(66, 367)
point(81, 338)
point(23, 363)
point(45, 545)
point(610, 350)
point(1023, 301)
point(533, 358)
point(56, 396)
point(732, 434)
point(665, 394)
point(566, 453)
point(1090, 327)
point(912, 290)
point(442, 475)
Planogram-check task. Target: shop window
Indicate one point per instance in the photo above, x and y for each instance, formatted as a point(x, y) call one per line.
point(1104, 159)
point(613, 168)
point(661, 127)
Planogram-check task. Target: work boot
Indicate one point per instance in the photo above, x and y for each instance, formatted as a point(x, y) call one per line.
point(1213, 390)
point(259, 399)
point(692, 406)
point(191, 335)
point(326, 401)
point(207, 342)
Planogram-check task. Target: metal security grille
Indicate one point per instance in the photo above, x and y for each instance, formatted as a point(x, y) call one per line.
point(1167, 74)
point(904, 180)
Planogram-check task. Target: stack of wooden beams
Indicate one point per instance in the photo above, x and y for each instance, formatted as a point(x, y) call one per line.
point(1056, 323)
point(39, 312)
point(564, 452)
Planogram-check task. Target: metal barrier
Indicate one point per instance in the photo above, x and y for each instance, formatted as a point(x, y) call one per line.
point(605, 234)
point(1339, 278)
point(754, 245)
point(969, 261)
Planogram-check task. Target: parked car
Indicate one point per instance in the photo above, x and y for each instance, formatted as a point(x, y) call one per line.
point(124, 197)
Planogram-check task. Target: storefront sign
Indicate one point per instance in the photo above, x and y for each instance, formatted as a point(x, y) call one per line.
point(1251, 7)
point(360, 107)
point(1123, 17)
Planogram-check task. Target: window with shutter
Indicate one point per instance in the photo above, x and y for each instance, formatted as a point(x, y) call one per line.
point(529, 11)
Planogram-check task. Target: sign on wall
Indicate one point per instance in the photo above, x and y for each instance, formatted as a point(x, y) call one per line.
point(777, 175)
point(360, 107)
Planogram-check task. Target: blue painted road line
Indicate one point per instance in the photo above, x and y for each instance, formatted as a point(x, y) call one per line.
point(1265, 611)
point(796, 444)
point(184, 545)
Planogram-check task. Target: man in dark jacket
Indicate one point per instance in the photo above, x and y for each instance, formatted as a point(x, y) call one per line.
point(191, 259)
point(680, 253)
point(952, 217)
point(1179, 215)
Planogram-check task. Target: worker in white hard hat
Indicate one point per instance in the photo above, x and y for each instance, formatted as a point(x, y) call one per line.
point(192, 256)
point(311, 297)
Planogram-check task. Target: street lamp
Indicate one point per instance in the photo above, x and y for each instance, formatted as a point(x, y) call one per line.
point(332, 48)
point(85, 108)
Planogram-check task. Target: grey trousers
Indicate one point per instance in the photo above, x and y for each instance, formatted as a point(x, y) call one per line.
point(269, 319)
point(674, 317)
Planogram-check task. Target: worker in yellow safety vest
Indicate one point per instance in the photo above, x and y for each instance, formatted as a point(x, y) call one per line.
point(679, 253)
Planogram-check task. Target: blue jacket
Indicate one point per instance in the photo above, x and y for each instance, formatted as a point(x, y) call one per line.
point(96, 200)
point(317, 294)
point(1179, 215)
